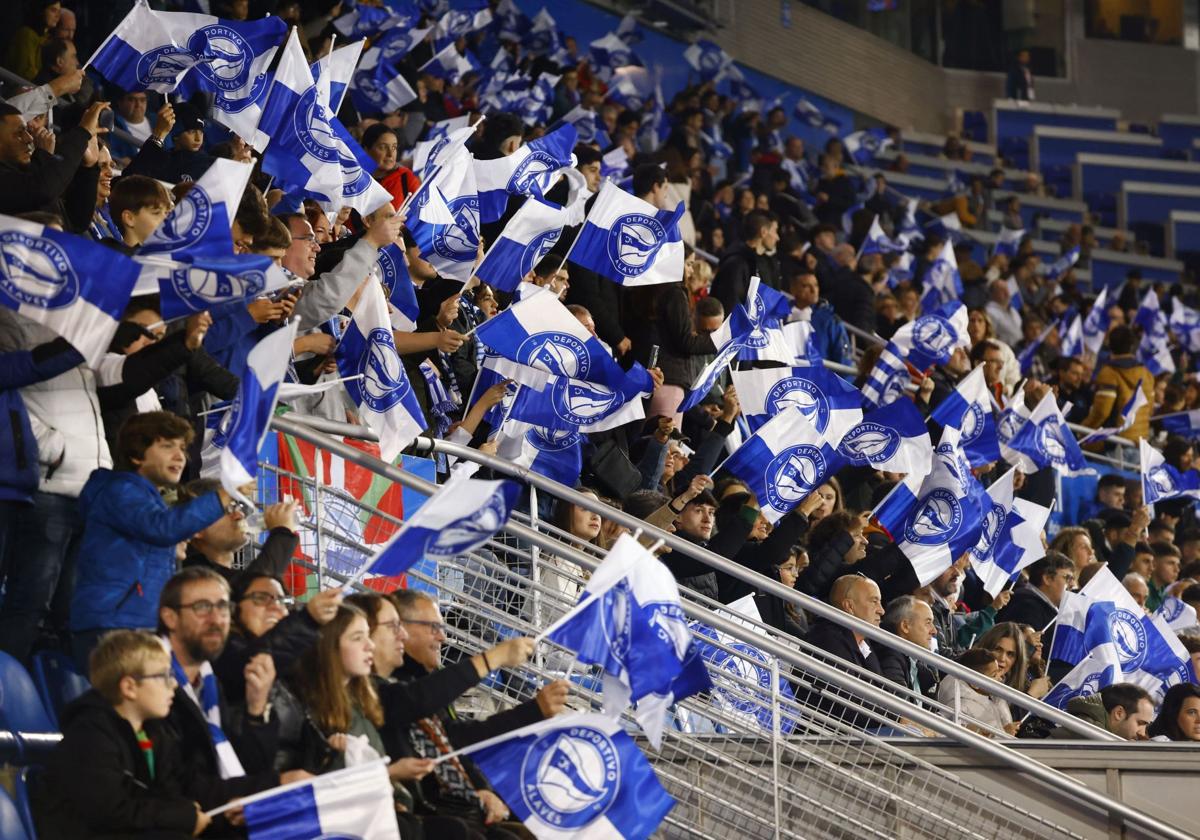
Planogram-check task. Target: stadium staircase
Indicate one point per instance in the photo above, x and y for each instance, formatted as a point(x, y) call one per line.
point(790, 743)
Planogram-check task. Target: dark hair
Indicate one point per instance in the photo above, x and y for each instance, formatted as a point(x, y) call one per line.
point(642, 503)
point(585, 154)
point(709, 307)
point(252, 214)
point(829, 527)
point(1120, 341)
point(277, 235)
point(369, 603)
point(52, 51)
point(982, 347)
point(1167, 722)
point(7, 110)
point(406, 599)
point(754, 224)
point(172, 592)
point(704, 498)
point(1125, 695)
point(1190, 594)
point(42, 217)
point(976, 659)
point(1174, 449)
point(140, 431)
point(1162, 548)
point(646, 177)
point(132, 193)
point(1110, 480)
point(371, 136)
point(1048, 567)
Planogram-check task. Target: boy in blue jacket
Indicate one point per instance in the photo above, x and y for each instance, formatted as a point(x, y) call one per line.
point(128, 550)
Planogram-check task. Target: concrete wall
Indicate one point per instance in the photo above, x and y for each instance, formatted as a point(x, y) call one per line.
point(869, 75)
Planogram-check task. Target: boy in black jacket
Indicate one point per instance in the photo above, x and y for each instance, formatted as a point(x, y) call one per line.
point(116, 772)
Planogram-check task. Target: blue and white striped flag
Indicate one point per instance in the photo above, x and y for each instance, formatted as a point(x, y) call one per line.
point(529, 236)
point(567, 404)
point(398, 42)
point(555, 453)
point(969, 408)
point(459, 22)
point(942, 282)
point(1185, 323)
point(1177, 614)
point(629, 241)
point(384, 396)
point(1072, 343)
point(1011, 537)
point(1045, 440)
point(1185, 423)
point(245, 424)
point(829, 402)
point(401, 294)
point(1095, 325)
point(612, 52)
point(1025, 357)
point(147, 49)
point(1161, 481)
point(784, 461)
point(729, 339)
point(927, 341)
point(363, 21)
point(449, 64)
point(1062, 265)
point(450, 248)
point(707, 59)
point(892, 438)
point(1100, 669)
point(863, 146)
point(75, 287)
point(527, 171)
point(584, 120)
point(354, 802)
point(878, 242)
point(767, 341)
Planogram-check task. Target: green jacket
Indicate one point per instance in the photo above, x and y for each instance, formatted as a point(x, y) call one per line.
point(1090, 709)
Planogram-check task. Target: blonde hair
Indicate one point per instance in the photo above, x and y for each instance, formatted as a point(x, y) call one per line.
point(122, 653)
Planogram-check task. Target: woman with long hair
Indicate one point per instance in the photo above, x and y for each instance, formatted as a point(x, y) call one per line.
point(581, 525)
point(1076, 543)
point(1179, 717)
point(383, 146)
point(1007, 642)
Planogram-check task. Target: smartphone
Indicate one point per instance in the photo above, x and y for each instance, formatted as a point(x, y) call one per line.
point(106, 119)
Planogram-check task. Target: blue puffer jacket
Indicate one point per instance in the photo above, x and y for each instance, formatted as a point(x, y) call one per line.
point(128, 549)
point(830, 335)
point(18, 446)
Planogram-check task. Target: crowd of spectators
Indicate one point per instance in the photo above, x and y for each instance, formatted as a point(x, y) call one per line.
point(102, 502)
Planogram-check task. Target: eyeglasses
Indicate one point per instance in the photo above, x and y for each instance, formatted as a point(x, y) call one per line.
point(203, 608)
point(394, 626)
point(167, 677)
point(309, 238)
point(435, 627)
point(268, 599)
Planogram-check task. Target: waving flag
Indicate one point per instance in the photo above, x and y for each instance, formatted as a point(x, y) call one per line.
point(932, 520)
point(456, 23)
point(969, 408)
point(146, 50)
point(363, 21)
point(556, 454)
point(767, 341)
point(809, 113)
point(630, 622)
point(1185, 323)
point(863, 146)
point(576, 775)
point(1045, 440)
point(527, 171)
point(451, 248)
point(1008, 242)
point(942, 282)
point(398, 42)
point(878, 242)
point(73, 286)
point(569, 404)
point(1061, 265)
point(449, 64)
point(530, 235)
point(892, 437)
point(1162, 481)
point(707, 59)
point(245, 425)
point(461, 516)
point(339, 66)
point(354, 802)
point(784, 461)
point(629, 241)
point(1026, 356)
point(376, 87)
point(584, 120)
point(445, 139)
point(1011, 537)
point(393, 272)
point(1185, 423)
point(1136, 402)
point(200, 225)
point(1176, 614)
point(732, 668)
point(1095, 326)
point(612, 52)
point(539, 331)
point(1100, 669)
point(729, 339)
point(829, 402)
point(384, 395)
point(929, 340)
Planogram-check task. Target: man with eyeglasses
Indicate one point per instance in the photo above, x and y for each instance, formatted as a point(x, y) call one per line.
point(228, 743)
point(1036, 602)
point(215, 546)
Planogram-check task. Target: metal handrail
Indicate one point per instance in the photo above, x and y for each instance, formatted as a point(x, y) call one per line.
point(1057, 781)
point(759, 581)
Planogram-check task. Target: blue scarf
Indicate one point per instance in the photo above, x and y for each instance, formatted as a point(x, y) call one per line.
point(209, 704)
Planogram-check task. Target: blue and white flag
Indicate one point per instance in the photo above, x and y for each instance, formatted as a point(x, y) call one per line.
point(556, 454)
point(1161, 481)
point(1011, 538)
point(729, 339)
point(211, 283)
point(201, 222)
point(527, 171)
point(892, 438)
point(584, 120)
point(401, 294)
point(570, 404)
point(1062, 265)
point(629, 241)
point(863, 146)
point(75, 287)
point(809, 113)
point(1026, 356)
point(1008, 242)
point(767, 341)
point(1185, 423)
point(456, 23)
point(707, 59)
point(1071, 343)
point(339, 66)
point(630, 622)
point(614, 164)
point(540, 332)
point(612, 52)
point(377, 87)
point(996, 507)
point(398, 42)
point(354, 802)
point(384, 396)
point(829, 402)
point(1128, 416)
point(449, 64)
point(543, 37)
point(1185, 323)
point(363, 21)
point(245, 424)
point(146, 50)
point(1100, 669)
point(575, 775)
point(733, 668)
point(528, 237)
point(461, 516)
point(942, 282)
point(451, 248)
point(927, 341)
point(933, 520)
point(969, 408)
point(878, 242)
point(1045, 440)
point(1095, 325)
point(445, 139)
point(784, 461)
point(1177, 614)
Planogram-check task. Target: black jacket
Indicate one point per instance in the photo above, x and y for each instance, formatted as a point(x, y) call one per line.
point(97, 782)
point(602, 299)
point(272, 559)
point(839, 641)
point(1027, 606)
point(897, 667)
point(734, 273)
point(763, 556)
point(676, 337)
point(699, 576)
point(853, 300)
point(53, 182)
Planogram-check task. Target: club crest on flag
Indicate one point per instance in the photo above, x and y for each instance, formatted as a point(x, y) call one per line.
point(228, 419)
point(1172, 609)
point(1129, 637)
point(537, 164)
point(476, 527)
point(933, 335)
point(571, 777)
point(1050, 442)
point(972, 424)
point(793, 474)
point(802, 394)
point(993, 521)
point(634, 242)
point(201, 289)
point(187, 224)
point(616, 620)
point(747, 663)
point(460, 241)
point(871, 442)
point(936, 519)
point(384, 383)
point(35, 271)
point(164, 66)
point(582, 403)
point(312, 127)
point(551, 440)
point(538, 248)
point(563, 355)
point(224, 59)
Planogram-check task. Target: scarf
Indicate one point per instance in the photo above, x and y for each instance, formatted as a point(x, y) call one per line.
point(209, 704)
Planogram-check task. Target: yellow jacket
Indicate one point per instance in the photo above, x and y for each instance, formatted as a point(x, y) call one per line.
point(1116, 382)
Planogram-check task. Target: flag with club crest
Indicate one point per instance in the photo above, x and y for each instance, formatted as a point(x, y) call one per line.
point(920, 344)
point(449, 64)
point(969, 408)
point(1045, 440)
point(527, 171)
point(1062, 265)
point(729, 339)
point(629, 241)
point(829, 402)
point(401, 294)
point(767, 342)
point(1011, 535)
point(892, 438)
point(1161, 481)
point(562, 403)
point(942, 282)
point(353, 802)
point(707, 59)
point(451, 248)
point(529, 236)
point(1095, 325)
point(378, 88)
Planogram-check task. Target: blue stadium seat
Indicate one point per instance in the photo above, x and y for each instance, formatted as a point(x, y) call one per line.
point(975, 126)
point(21, 795)
point(11, 826)
point(58, 680)
point(20, 707)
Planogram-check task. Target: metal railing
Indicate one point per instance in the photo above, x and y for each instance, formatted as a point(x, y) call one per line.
point(722, 778)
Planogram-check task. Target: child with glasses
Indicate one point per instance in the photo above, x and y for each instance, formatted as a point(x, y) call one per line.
point(117, 770)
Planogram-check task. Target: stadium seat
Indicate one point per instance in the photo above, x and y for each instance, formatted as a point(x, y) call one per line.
point(11, 826)
point(58, 680)
point(21, 796)
point(21, 708)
